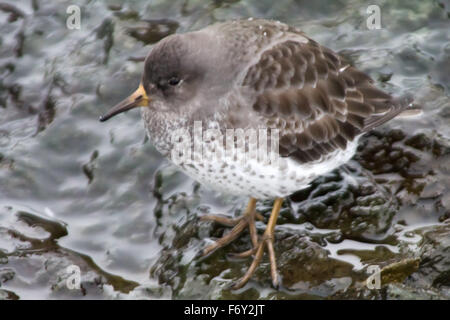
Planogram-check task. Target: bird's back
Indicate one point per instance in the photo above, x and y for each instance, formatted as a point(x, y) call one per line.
point(314, 97)
point(272, 76)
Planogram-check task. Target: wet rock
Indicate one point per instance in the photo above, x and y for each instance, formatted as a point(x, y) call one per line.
point(305, 267)
point(403, 292)
point(8, 295)
point(129, 219)
point(304, 264)
point(46, 111)
point(434, 267)
point(14, 12)
point(124, 13)
point(106, 32)
point(411, 167)
point(88, 168)
point(37, 260)
point(360, 209)
point(151, 31)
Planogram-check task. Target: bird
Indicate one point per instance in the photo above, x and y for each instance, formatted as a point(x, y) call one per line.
point(256, 74)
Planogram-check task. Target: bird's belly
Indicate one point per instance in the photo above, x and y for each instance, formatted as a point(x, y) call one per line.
point(263, 181)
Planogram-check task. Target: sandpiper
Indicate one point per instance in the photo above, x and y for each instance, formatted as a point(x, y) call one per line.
point(258, 74)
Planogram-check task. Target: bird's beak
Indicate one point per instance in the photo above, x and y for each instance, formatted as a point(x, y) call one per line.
point(136, 99)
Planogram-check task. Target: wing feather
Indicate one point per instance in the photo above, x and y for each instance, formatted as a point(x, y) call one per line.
point(323, 102)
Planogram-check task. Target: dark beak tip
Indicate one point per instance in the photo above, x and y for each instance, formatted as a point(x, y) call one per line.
point(127, 104)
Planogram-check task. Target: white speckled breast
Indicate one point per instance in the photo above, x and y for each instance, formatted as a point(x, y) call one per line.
point(263, 181)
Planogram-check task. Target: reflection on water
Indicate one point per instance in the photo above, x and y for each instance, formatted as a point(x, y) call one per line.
point(74, 192)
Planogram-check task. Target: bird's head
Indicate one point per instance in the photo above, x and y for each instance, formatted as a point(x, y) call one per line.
point(178, 69)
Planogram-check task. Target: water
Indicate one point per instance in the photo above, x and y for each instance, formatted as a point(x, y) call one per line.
point(98, 196)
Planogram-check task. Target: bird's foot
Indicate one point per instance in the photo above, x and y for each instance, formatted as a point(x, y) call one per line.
point(248, 220)
point(266, 241)
point(238, 224)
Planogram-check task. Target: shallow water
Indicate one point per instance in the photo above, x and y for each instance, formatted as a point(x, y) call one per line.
point(98, 196)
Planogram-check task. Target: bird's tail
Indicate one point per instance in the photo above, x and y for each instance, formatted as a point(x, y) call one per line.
point(387, 109)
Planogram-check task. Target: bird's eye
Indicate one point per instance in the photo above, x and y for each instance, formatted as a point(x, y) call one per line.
point(174, 81)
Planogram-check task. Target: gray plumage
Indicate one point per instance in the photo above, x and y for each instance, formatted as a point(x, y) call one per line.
point(256, 73)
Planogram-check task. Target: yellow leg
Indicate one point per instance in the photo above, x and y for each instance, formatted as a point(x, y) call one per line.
point(266, 240)
point(247, 220)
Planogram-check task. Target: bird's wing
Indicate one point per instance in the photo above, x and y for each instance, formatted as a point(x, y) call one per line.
point(317, 101)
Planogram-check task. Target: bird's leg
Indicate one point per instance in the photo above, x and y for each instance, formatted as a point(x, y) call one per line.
point(266, 240)
point(248, 219)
